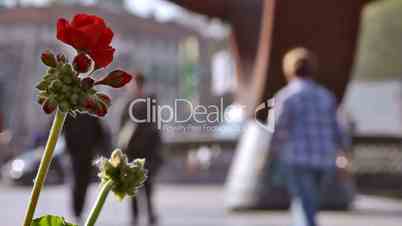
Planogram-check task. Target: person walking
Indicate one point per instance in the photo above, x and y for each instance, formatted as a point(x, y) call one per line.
point(85, 137)
point(140, 138)
point(307, 137)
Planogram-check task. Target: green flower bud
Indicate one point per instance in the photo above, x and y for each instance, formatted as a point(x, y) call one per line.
point(76, 81)
point(52, 71)
point(67, 79)
point(49, 77)
point(76, 90)
point(41, 99)
point(74, 98)
point(42, 85)
point(67, 70)
point(59, 98)
point(101, 108)
point(66, 89)
point(91, 92)
point(48, 59)
point(52, 97)
point(65, 106)
point(127, 176)
point(56, 85)
point(104, 98)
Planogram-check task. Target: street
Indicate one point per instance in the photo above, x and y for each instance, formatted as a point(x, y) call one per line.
point(188, 205)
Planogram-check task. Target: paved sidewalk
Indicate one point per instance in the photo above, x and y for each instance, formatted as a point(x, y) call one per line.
point(184, 205)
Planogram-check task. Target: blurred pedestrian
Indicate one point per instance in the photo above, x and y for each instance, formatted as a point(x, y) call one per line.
point(84, 136)
point(307, 137)
point(140, 138)
point(1, 122)
point(2, 140)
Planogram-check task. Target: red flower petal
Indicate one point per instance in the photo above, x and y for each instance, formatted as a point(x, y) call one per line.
point(92, 33)
point(88, 33)
point(63, 31)
point(83, 19)
point(79, 39)
point(82, 63)
point(105, 38)
point(102, 57)
point(86, 37)
point(115, 79)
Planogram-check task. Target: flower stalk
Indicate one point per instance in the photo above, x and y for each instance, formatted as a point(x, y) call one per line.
point(95, 212)
point(47, 157)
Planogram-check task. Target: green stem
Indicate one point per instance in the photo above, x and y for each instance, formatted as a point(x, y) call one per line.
point(44, 166)
point(93, 216)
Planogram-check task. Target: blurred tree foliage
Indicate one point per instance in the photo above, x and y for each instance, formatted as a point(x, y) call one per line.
point(380, 49)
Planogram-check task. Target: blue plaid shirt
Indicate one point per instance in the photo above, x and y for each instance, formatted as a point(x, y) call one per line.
point(306, 132)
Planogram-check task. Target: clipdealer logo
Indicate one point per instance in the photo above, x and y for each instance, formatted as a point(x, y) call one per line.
point(164, 114)
point(199, 114)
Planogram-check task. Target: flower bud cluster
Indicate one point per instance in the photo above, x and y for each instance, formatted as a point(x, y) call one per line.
point(127, 176)
point(62, 86)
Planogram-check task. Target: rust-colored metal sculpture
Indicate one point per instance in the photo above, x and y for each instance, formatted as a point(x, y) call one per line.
point(262, 33)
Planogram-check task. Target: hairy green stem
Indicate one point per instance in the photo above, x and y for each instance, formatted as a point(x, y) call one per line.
point(47, 157)
point(93, 216)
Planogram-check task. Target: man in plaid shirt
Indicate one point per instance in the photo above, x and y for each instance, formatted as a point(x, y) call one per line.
point(307, 136)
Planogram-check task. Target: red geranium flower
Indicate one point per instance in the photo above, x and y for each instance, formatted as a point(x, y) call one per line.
point(90, 34)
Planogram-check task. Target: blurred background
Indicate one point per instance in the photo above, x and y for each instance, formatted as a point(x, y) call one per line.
point(187, 55)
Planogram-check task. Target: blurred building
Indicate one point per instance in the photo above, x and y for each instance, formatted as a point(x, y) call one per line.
point(142, 44)
point(375, 107)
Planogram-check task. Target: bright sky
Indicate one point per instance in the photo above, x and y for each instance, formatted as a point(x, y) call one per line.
point(161, 9)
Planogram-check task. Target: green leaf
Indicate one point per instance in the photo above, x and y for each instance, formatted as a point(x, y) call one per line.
point(42, 85)
point(50, 220)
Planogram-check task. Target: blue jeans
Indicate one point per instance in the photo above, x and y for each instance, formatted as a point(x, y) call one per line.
point(304, 186)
